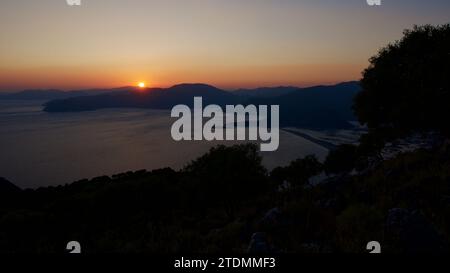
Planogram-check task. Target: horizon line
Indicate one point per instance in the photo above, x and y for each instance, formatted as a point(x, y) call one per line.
point(178, 84)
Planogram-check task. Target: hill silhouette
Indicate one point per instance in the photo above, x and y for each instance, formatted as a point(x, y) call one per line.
point(155, 98)
point(221, 201)
point(321, 107)
point(8, 192)
point(316, 107)
point(7, 187)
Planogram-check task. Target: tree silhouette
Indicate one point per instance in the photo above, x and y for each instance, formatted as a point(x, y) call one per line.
point(228, 176)
point(299, 171)
point(407, 85)
point(341, 160)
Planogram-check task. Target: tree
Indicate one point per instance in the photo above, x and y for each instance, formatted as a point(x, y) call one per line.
point(228, 176)
point(299, 171)
point(341, 160)
point(407, 85)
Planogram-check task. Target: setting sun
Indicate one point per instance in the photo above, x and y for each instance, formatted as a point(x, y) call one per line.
point(141, 84)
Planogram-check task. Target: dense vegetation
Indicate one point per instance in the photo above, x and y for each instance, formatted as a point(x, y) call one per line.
point(217, 202)
point(406, 86)
point(225, 200)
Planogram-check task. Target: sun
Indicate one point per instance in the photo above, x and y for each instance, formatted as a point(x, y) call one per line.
point(141, 85)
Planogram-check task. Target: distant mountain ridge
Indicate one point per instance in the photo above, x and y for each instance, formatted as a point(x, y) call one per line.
point(52, 94)
point(266, 92)
point(320, 107)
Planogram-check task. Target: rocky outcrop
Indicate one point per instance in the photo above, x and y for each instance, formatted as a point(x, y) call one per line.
point(410, 231)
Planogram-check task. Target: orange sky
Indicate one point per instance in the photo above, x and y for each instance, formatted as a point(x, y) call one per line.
point(230, 44)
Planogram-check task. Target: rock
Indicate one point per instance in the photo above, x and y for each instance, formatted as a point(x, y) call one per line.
point(413, 142)
point(284, 187)
point(315, 248)
point(272, 218)
point(330, 203)
point(409, 231)
point(259, 244)
point(318, 179)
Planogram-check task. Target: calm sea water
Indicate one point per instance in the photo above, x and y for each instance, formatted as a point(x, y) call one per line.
point(42, 149)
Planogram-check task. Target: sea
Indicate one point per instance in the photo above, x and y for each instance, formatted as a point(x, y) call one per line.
point(40, 149)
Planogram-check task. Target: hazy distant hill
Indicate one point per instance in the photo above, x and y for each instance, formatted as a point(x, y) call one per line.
point(156, 98)
point(265, 92)
point(316, 107)
point(52, 94)
point(47, 94)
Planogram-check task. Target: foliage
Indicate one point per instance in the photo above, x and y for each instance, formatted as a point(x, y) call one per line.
point(407, 87)
point(341, 160)
point(299, 171)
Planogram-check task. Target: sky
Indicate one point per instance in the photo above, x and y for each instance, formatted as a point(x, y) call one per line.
point(226, 43)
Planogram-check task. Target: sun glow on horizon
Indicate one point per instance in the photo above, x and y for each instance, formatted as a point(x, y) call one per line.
point(141, 85)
